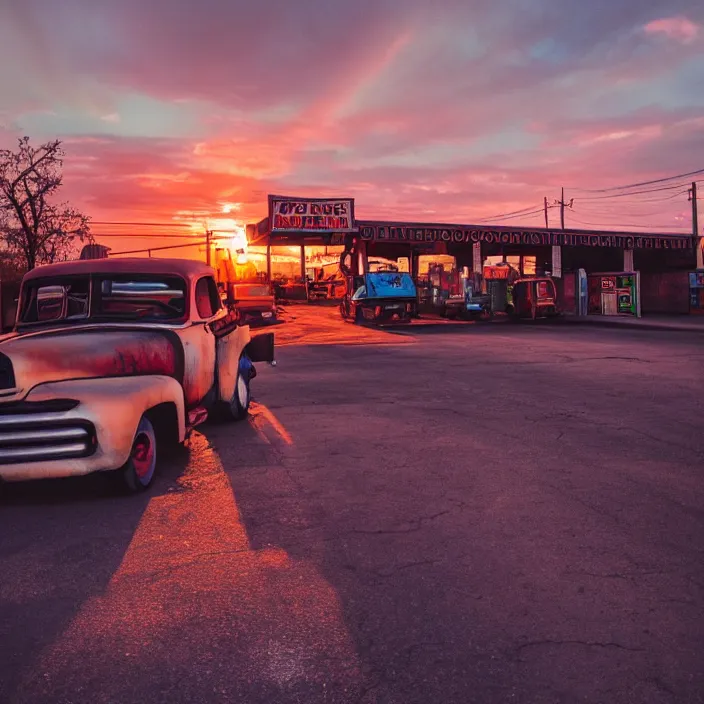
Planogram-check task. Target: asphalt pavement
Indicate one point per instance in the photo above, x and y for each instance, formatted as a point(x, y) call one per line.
point(496, 514)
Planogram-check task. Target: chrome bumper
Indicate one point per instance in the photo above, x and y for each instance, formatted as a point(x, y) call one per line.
point(39, 432)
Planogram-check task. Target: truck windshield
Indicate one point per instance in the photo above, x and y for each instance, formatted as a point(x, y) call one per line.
point(153, 298)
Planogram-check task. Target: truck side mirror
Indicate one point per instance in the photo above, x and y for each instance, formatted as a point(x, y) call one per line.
point(51, 302)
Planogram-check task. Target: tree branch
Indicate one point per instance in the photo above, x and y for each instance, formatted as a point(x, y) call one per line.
point(31, 226)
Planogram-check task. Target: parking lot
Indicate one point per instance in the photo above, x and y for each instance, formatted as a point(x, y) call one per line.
point(488, 514)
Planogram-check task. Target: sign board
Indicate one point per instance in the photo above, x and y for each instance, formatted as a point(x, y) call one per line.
point(477, 257)
point(311, 214)
point(496, 273)
point(557, 261)
point(410, 233)
point(628, 260)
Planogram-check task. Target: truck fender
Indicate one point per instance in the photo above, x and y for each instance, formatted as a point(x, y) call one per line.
point(114, 405)
point(229, 350)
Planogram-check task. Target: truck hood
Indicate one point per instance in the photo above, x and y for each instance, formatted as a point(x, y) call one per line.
point(29, 359)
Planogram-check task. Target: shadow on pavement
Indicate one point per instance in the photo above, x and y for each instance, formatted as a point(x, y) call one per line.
point(171, 602)
point(62, 542)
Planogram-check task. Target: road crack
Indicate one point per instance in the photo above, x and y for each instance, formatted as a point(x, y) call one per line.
point(392, 570)
point(584, 643)
point(412, 526)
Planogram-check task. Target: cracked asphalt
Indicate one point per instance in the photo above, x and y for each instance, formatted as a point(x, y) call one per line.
point(497, 514)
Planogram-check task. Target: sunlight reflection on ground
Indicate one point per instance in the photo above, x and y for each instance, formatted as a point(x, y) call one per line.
point(190, 562)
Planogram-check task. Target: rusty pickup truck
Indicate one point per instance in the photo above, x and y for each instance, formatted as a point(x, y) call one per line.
point(111, 359)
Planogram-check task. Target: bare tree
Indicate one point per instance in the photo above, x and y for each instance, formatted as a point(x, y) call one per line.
point(33, 228)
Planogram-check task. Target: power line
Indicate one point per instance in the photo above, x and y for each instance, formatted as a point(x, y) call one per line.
point(520, 215)
point(642, 183)
point(158, 249)
point(633, 207)
point(634, 193)
point(615, 213)
point(511, 217)
point(638, 201)
point(649, 226)
point(151, 235)
point(141, 224)
point(656, 199)
point(503, 215)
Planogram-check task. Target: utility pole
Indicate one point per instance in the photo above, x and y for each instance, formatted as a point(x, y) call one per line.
point(545, 200)
point(563, 205)
point(208, 235)
point(695, 226)
point(562, 210)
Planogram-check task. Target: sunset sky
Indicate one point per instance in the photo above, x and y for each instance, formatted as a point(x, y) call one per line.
point(451, 111)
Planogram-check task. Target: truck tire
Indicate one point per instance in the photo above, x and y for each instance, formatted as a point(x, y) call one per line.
point(138, 472)
point(238, 407)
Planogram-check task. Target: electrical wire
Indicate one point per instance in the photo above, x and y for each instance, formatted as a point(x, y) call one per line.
point(510, 214)
point(158, 249)
point(140, 224)
point(622, 207)
point(639, 185)
point(656, 199)
point(636, 208)
point(151, 235)
point(601, 224)
point(634, 193)
point(608, 214)
point(511, 217)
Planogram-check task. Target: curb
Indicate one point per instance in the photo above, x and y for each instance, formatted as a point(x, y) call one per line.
point(646, 325)
point(433, 327)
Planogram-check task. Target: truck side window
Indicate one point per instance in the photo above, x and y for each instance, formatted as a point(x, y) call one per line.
point(215, 298)
point(207, 297)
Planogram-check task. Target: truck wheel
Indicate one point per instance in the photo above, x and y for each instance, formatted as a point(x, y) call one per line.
point(238, 408)
point(138, 471)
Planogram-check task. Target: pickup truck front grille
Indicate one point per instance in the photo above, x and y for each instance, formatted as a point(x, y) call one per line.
point(40, 432)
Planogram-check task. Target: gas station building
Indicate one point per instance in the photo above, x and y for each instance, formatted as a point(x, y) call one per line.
point(659, 268)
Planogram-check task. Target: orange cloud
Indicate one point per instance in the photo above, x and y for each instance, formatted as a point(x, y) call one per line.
point(454, 115)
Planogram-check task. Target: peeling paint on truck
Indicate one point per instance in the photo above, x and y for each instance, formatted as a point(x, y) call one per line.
point(73, 390)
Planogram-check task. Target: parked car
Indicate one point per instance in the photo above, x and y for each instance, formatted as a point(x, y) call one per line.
point(254, 302)
point(379, 297)
point(533, 298)
point(111, 359)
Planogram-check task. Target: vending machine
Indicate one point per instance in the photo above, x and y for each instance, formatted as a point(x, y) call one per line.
point(615, 294)
point(582, 292)
point(696, 291)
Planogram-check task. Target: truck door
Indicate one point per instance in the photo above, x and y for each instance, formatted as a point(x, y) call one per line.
point(199, 343)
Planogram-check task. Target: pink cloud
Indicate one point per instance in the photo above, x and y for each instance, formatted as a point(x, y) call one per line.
point(679, 29)
point(461, 114)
